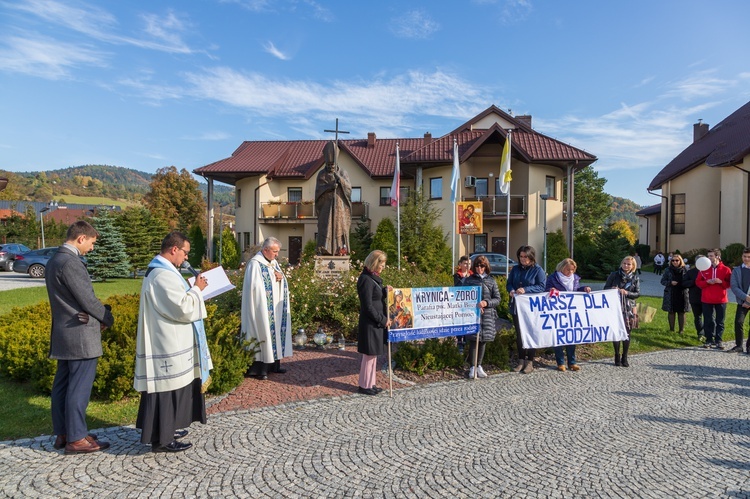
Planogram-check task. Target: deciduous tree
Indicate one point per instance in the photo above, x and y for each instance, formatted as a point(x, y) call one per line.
point(176, 197)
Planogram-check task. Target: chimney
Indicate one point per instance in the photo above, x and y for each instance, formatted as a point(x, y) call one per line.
point(427, 138)
point(699, 130)
point(525, 119)
point(370, 140)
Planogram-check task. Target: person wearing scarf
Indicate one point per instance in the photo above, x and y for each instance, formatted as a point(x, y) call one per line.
point(565, 279)
point(490, 299)
point(676, 298)
point(629, 285)
point(372, 330)
point(266, 312)
point(526, 277)
point(172, 360)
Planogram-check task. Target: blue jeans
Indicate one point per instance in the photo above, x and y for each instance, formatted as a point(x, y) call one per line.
point(560, 357)
point(714, 327)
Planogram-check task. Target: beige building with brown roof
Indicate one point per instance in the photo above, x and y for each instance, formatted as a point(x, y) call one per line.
point(275, 182)
point(704, 190)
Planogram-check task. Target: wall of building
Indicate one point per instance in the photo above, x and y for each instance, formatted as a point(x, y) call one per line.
point(702, 189)
point(734, 200)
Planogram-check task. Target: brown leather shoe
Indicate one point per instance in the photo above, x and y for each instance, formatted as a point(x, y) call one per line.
point(61, 440)
point(85, 446)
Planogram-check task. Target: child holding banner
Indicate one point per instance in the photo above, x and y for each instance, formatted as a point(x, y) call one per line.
point(565, 279)
point(629, 285)
point(487, 307)
point(527, 277)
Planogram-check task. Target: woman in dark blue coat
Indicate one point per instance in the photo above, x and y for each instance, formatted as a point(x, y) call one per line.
point(526, 277)
point(565, 279)
point(372, 332)
point(490, 299)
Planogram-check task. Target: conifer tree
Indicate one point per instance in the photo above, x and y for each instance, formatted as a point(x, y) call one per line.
point(385, 240)
point(108, 259)
point(141, 233)
point(197, 246)
point(230, 250)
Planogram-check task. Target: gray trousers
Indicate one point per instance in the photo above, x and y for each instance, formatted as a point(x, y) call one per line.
point(71, 391)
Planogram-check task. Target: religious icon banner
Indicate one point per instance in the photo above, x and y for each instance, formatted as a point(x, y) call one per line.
point(421, 313)
point(570, 318)
point(469, 217)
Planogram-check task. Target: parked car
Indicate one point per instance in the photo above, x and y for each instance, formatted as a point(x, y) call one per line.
point(8, 254)
point(497, 262)
point(34, 262)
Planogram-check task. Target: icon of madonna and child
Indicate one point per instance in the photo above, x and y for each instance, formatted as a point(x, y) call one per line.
point(399, 310)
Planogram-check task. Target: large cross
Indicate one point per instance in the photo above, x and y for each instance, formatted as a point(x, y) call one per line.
point(166, 366)
point(337, 131)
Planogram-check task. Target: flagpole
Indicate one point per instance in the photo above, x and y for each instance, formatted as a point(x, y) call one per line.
point(397, 183)
point(453, 216)
point(507, 212)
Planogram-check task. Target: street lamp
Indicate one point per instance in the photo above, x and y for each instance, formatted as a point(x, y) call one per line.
point(41, 220)
point(545, 197)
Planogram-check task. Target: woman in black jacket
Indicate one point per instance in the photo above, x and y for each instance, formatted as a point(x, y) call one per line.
point(490, 299)
point(629, 285)
point(676, 299)
point(372, 332)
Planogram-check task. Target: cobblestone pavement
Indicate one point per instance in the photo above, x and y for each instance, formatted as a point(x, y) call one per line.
point(674, 424)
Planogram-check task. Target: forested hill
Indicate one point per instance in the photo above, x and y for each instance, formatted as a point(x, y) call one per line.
point(623, 209)
point(114, 182)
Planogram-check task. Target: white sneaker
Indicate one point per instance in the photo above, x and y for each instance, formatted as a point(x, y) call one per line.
point(471, 372)
point(481, 373)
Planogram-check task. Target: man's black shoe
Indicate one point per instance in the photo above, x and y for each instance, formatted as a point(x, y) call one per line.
point(376, 389)
point(178, 434)
point(173, 446)
point(367, 391)
point(280, 370)
point(736, 349)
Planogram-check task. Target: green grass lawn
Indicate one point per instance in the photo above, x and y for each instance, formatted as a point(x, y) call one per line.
point(98, 200)
point(30, 296)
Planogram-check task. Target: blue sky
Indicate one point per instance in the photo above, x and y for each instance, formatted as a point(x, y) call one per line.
point(146, 85)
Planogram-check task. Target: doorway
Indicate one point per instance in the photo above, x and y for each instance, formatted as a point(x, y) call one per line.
point(295, 249)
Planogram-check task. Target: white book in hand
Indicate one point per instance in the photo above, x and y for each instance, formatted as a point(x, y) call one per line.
point(218, 282)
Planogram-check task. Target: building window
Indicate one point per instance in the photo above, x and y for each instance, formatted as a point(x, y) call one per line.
point(238, 198)
point(480, 187)
point(385, 196)
point(549, 184)
point(356, 194)
point(404, 193)
point(294, 194)
point(480, 243)
point(247, 240)
point(436, 188)
point(678, 213)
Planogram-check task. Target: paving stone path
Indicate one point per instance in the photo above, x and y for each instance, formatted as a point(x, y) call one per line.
point(674, 424)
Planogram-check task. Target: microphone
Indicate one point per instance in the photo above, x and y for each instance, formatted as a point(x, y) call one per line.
point(186, 265)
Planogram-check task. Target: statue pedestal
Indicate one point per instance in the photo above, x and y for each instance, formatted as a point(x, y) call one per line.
point(328, 267)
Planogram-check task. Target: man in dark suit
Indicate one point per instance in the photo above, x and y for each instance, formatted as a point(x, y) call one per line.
point(78, 318)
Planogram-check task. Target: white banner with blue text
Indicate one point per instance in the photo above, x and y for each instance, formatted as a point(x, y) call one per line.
point(421, 313)
point(570, 318)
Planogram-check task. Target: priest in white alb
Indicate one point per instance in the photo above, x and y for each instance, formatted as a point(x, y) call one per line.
point(266, 315)
point(172, 361)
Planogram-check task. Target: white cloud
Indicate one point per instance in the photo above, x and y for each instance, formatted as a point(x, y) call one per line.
point(414, 24)
point(209, 136)
point(392, 104)
point(699, 86)
point(46, 58)
point(162, 33)
point(271, 49)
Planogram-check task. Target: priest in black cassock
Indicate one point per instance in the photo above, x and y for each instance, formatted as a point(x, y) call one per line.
point(172, 360)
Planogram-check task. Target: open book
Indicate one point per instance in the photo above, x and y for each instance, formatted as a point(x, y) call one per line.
point(218, 282)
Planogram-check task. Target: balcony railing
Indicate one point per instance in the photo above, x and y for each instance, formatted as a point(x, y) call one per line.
point(498, 205)
point(295, 211)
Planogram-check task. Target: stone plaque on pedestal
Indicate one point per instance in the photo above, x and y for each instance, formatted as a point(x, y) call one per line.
point(328, 267)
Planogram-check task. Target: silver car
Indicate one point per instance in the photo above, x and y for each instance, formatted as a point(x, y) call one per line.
point(8, 254)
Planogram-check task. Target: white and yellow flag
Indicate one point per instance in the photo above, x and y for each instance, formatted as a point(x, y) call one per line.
point(505, 171)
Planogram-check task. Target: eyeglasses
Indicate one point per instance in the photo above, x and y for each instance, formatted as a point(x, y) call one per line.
point(187, 253)
point(481, 265)
point(675, 261)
